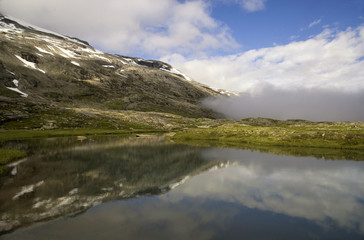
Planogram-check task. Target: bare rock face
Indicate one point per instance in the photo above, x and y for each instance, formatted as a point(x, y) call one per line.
point(29, 57)
point(154, 64)
point(41, 67)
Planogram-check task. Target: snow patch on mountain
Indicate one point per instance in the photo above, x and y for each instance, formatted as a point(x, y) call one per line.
point(90, 50)
point(175, 71)
point(100, 57)
point(122, 62)
point(75, 63)
point(18, 91)
point(16, 83)
point(44, 51)
point(29, 64)
point(10, 28)
point(67, 53)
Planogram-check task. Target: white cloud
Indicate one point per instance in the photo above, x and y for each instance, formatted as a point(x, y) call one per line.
point(260, 181)
point(129, 26)
point(314, 23)
point(312, 104)
point(330, 60)
point(320, 79)
point(252, 5)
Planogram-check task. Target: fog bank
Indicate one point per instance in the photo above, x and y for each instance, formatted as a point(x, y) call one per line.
point(313, 105)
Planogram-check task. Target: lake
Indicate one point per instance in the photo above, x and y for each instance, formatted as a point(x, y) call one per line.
point(149, 188)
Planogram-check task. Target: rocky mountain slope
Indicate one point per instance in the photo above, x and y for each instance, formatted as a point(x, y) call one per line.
point(42, 71)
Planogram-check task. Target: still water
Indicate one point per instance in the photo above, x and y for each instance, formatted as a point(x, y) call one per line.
point(149, 188)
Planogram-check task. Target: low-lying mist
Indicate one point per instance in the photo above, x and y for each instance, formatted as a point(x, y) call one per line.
point(308, 104)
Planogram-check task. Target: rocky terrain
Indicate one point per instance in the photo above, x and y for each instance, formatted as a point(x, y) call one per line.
point(42, 73)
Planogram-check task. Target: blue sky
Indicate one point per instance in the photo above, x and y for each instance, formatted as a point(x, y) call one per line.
point(282, 21)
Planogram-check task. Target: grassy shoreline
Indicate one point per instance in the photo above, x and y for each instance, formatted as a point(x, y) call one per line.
point(8, 155)
point(292, 137)
point(342, 140)
point(261, 132)
point(323, 135)
point(7, 135)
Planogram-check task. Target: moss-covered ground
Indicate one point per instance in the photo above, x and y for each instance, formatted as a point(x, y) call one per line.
point(342, 135)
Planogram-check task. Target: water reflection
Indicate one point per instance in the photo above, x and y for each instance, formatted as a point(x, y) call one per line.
point(320, 153)
point(318, 190)
point(228, 194)
point(65, 176)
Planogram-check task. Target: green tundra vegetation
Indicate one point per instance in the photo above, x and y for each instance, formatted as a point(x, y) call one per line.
point(340, 135)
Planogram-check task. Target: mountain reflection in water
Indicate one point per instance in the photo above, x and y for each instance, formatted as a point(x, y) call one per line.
point(65, 176)
point(197, 193)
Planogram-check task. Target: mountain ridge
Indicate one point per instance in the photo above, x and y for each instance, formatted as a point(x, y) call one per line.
point(53, 71)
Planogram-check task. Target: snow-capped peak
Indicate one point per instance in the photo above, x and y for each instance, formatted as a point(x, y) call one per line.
point(27, 25)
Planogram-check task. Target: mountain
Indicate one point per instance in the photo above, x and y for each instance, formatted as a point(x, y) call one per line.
point(42, 72)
